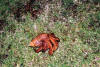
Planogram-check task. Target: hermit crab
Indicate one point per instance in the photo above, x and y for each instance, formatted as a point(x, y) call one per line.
point(45, 42)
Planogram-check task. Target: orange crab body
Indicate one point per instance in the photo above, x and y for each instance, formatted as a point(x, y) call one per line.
point(44, 42)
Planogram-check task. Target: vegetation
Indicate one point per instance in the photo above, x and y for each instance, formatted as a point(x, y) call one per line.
point(75, 22)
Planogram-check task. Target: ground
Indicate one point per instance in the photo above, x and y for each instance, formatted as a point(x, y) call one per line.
point(75, 23)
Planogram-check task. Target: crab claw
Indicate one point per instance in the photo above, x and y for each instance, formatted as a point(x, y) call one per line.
point(32, 44)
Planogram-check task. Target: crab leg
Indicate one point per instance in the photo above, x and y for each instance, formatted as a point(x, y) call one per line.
point(55, 43)
point(39, 49)
point(54, 37)
point(49, 46)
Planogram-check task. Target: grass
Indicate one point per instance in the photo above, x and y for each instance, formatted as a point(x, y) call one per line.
point(79, 38)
